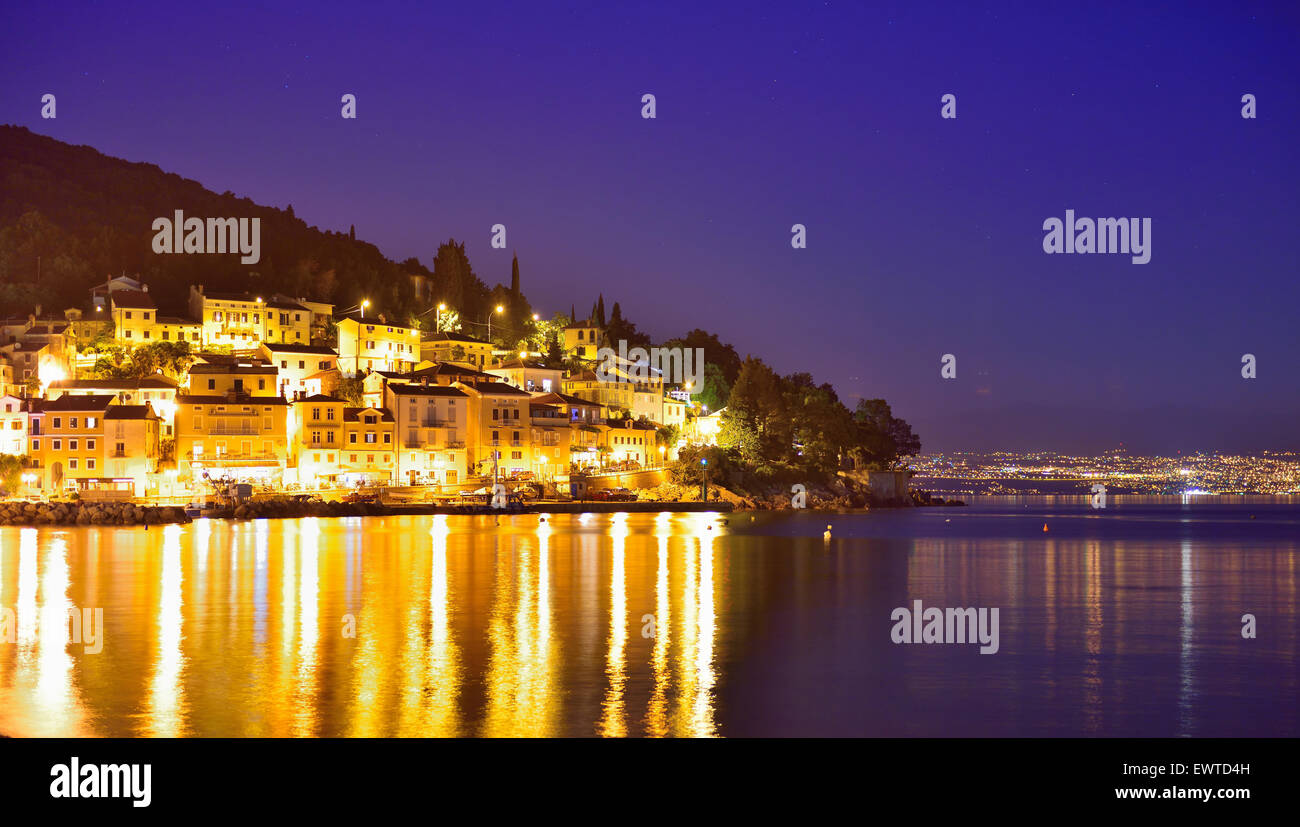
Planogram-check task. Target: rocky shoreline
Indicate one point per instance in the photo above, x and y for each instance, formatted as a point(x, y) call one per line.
point(664, 497)
point(129, 514)
point(838, 495)
point(81, 513)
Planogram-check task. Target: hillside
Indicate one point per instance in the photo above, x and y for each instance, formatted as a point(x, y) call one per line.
point(70, 215)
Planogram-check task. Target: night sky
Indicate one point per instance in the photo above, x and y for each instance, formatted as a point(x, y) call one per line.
point(924, 235)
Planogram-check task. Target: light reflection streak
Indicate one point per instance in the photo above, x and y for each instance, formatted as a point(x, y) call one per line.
point(1092, 680)
point(1186, 690)
point(656, 714)
point(53, 696)
point(612, 724)
point(308, 628)
point(164, 718)
point(702, 719)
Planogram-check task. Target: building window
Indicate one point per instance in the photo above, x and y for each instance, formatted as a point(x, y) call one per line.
point(58, 422)
point(56, 445)
point(90, 464)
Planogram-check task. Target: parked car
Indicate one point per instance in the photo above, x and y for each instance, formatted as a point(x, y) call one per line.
point(613, 495)
point(526, 493)
point(360, 497)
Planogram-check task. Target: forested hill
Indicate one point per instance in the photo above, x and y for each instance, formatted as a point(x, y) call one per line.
point(70, 215)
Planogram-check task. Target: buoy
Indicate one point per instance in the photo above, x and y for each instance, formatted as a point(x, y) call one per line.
point(1044, 526)
point(541, 519)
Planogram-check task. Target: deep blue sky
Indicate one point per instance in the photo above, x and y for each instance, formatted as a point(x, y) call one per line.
point(924, 234)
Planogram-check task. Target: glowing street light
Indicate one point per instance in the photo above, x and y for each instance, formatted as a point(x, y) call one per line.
point(364, 304)
point(499, 309)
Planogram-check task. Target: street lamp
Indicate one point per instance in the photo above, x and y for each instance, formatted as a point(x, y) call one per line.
point(499, 309)
point(364, 304)
point(662, 450)
point(437, 326)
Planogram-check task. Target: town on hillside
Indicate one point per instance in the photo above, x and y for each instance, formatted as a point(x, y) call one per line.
point(116, 400)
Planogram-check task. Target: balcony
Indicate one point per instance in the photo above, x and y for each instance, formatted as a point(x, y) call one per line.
point(236, 456)
point(232, 430)
point(455, 443)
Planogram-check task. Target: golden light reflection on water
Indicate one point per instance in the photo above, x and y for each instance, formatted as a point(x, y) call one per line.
point(163, 716)
point(656, 720)
point(469, 626)
point(612, 724)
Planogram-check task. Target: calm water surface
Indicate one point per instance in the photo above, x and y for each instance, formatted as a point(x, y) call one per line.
point(1125, 621)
